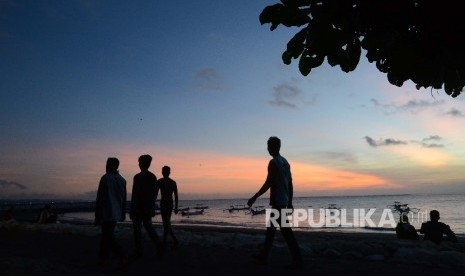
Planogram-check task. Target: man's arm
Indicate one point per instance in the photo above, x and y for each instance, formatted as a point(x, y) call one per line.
point(263, 189)
point(123, 207)
point(450, 234)
point(175, 189)
point(99, 203)
point(291, 190)
point(134, 196)
point(157, 188)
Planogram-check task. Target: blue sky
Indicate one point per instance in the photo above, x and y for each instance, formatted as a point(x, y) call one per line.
point(200, 86)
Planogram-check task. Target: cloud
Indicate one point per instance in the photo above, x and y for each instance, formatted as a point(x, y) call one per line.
point(455, 113)
point(383, 142)
point(209, 79)
point(393, 142)
point(412, 106)
point(284, 95)
point(11, 184)
point(432, 138)
point(424, 142)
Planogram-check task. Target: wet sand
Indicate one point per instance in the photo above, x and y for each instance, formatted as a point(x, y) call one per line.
point(64, 249)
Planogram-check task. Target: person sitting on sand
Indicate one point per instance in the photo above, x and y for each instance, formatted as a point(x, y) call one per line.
point(167, 188)
point(47, 215)
point(110, 207)
point(279, 181)
point(405, 230)
point(435, 230)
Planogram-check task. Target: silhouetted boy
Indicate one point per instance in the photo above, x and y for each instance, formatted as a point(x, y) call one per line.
point(167, 188)
point(279, 181)
point(434, 230)
point(144, 195)
point(110, 208)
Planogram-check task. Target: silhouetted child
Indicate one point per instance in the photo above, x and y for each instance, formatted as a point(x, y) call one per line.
point(434, 230)
point(405, 230)
point(167, 188)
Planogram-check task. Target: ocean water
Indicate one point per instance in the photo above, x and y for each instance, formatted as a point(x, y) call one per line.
point(451, 208)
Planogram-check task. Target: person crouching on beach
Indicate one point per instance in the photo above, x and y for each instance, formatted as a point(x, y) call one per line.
point(279, 181)
point(110, 208)
point(144, 195)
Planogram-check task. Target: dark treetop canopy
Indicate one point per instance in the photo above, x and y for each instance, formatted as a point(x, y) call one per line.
point(417, 40)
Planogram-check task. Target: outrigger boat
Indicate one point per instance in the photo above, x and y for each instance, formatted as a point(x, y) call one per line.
point(257, 210)
point(402, 208)
point(200, 207)
point(332, 207)
point(183, 209)
point(237, 207)
point(192, 213)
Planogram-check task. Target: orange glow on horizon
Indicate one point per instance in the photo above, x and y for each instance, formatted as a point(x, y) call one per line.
point(196, 172)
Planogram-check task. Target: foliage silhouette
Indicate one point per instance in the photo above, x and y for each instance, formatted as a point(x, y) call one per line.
point(417, 40)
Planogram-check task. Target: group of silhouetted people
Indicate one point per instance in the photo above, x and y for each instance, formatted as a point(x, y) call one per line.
point(433, 230)
point(111, 207)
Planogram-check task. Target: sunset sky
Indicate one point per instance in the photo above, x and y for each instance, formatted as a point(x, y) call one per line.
point(200, 86)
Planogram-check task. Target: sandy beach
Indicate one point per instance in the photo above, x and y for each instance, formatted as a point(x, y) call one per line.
point(65, 249)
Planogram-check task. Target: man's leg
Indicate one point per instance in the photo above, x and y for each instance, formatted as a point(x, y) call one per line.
point(104, 243)
point(167, 230)
point(269, 237)
point(114, 245)
point(153, 235)
point(293, 246)
point(137, 227)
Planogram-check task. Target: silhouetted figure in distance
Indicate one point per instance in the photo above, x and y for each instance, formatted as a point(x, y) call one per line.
point(167, 188)
point(434, 230)
point(110, 207)
point(279, 181)
point(144, 195)
point(406, 231)
point(47, 215)
point(8, 214)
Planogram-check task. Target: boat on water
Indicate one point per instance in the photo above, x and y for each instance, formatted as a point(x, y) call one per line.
point(192, 213)
point(257, 210)
point(237, 207)
point(332, 207)
point(402, 208)
point(183, 209)
point(200, 207)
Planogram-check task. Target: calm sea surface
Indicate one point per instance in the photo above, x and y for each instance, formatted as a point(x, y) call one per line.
point(451, 208)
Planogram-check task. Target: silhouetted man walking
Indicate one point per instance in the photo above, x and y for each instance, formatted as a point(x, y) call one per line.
point(110, 208)
point(168, 188)
point(144, 195)
point(279, 181)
